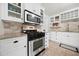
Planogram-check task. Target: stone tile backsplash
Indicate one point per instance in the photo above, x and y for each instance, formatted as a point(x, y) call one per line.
point(14, 28)
point(68, 27)
point(11, 27)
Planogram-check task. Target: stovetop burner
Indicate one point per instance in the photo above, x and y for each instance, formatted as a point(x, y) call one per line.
point(33, 34)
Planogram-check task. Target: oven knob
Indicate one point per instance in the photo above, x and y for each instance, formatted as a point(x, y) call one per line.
point(24, 31)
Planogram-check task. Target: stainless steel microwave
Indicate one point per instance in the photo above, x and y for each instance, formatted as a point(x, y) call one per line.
point(31, 17)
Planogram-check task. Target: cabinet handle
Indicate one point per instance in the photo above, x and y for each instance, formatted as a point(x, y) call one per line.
point(25, 46)
point(68, 36)
point(34, 10)
point(45, 41)
point(15, 42)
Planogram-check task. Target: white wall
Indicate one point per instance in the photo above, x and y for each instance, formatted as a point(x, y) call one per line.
point(46, 21)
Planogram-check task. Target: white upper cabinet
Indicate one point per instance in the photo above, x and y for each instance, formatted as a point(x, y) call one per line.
point(15, 11)
point(70, 14)
point(51, 21)
point(11, 11)
point(55, 22)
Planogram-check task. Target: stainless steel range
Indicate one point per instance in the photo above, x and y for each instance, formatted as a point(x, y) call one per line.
point(36, 42)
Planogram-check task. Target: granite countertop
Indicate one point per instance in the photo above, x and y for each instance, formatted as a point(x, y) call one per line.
point(70, 31)
point(7, 36)
point(65, 31)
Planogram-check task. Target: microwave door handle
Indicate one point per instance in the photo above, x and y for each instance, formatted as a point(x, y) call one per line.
point(27, 16)
point(38, 20)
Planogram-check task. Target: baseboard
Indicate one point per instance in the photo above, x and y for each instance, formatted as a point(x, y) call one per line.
point(68, 47)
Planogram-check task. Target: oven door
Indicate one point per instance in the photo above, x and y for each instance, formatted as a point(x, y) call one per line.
point(36, 46)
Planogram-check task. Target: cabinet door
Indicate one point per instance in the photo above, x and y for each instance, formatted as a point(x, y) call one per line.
point(74, 39)
point(71, 39)
point(70, 14)
point(10, 11)
point(18, 51)
point(4, 10)
point(66, 38)
point(14, 46)
point(59, 37)
point(5, 46)
point(53, 36)
point(20, 48)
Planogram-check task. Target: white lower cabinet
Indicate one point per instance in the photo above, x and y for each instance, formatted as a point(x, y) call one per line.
point(19, 51)
point(14, 46)
point(53, 36)
point(47, 40)
point(71, 39)
point(68, 38)
point(59, 37)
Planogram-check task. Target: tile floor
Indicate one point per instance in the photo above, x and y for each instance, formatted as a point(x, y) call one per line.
point(55, 50)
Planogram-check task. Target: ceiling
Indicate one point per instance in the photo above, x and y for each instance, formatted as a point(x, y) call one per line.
point(55, 8)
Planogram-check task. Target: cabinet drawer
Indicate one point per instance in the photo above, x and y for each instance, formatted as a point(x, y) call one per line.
point(74, 35)
point(19, 51)
point(6, 44)
point(71, 39)
point(59, 36)
point(53, 36)
point(20, 41)
point(12, 43)
point(65, 34)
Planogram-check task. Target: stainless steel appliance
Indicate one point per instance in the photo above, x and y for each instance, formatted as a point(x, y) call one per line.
point(30, 17)
point(35, 46)
point(36, 42)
